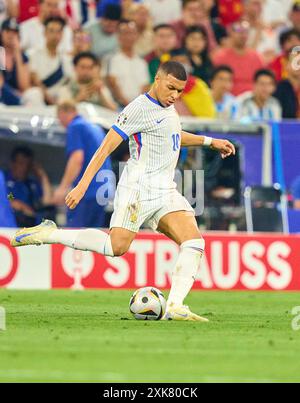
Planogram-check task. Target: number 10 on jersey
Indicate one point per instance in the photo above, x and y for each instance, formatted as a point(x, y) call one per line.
point(176, 141)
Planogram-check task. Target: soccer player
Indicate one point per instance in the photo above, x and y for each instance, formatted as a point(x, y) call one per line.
point(146, 192)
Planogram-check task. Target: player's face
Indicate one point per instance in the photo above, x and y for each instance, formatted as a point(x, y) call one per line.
point(168, 89)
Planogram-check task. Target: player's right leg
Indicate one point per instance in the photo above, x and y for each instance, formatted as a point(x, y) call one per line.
point(115, 243)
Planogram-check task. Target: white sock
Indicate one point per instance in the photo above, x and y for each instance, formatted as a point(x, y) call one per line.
point(185, 271)
point(92, 240)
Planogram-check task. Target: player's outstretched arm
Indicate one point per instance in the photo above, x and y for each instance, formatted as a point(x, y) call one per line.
point(225, 147)
point(110, 143)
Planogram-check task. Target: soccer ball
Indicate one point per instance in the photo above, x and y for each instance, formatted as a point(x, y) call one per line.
point(147, 303)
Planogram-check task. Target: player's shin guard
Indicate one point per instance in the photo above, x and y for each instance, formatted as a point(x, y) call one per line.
point(92, 240)
point(185, 271)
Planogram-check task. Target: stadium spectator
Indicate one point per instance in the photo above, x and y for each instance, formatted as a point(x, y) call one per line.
point(164, 11)
point(132, 79)
point(294, 16)
point(82, 42)
point(288, 90)
point(124, 4)
point(164, 42)
point(139, 13)
point(16, 71)
point(288, 40)
point(196, 45)
point(192, 15)
point(32, 30)
point(217, 34)
point(196, 99)
point(83, 140)
point(28, 185)
point(50, 68)
point(8, 95)
point(103, 31)
point(229, 11)
point(221, 87)
point(261, 36)
point(243, 61)
point(260, 104)
point(296, 193)
point(87, 86)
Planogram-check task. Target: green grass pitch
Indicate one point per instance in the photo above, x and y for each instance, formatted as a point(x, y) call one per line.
point(57, 336)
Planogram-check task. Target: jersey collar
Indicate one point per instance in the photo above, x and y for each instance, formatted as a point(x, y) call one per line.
point(155, 101)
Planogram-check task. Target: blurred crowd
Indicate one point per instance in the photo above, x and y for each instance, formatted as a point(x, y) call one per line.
point(242, 56)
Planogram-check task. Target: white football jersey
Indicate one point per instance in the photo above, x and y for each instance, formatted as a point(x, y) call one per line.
point(154, 134)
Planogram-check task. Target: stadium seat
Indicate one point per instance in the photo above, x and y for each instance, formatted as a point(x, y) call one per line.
point(7, 219)
point(266, 209)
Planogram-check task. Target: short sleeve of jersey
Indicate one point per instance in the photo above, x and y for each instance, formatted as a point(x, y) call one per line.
point(130, 121)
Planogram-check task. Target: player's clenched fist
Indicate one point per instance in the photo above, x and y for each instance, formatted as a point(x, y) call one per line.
point(74, 197)
point(224, 147)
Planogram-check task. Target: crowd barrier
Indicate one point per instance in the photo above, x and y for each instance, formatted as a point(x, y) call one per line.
point(231, 262)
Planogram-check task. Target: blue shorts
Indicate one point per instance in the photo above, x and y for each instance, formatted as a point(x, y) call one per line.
point(88, 214)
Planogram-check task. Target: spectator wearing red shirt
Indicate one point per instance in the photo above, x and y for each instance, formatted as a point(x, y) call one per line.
point(243, 61)
point(288, 40)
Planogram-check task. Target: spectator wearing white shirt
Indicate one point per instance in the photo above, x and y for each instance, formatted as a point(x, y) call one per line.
point(221, 87)
point(50, 68)
point(164, 11)
point(127, 73)
point(32, 30)
point(260, 105)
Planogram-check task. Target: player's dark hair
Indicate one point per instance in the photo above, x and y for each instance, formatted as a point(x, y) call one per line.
point(176, 70)
point(221, 69)
point(85, 55)
point(22, 150)
point(262, 73)
point(163, 26)
point(286, 35)
point(59, 20)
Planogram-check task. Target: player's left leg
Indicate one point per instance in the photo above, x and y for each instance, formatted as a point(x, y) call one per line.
point(181, 227)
